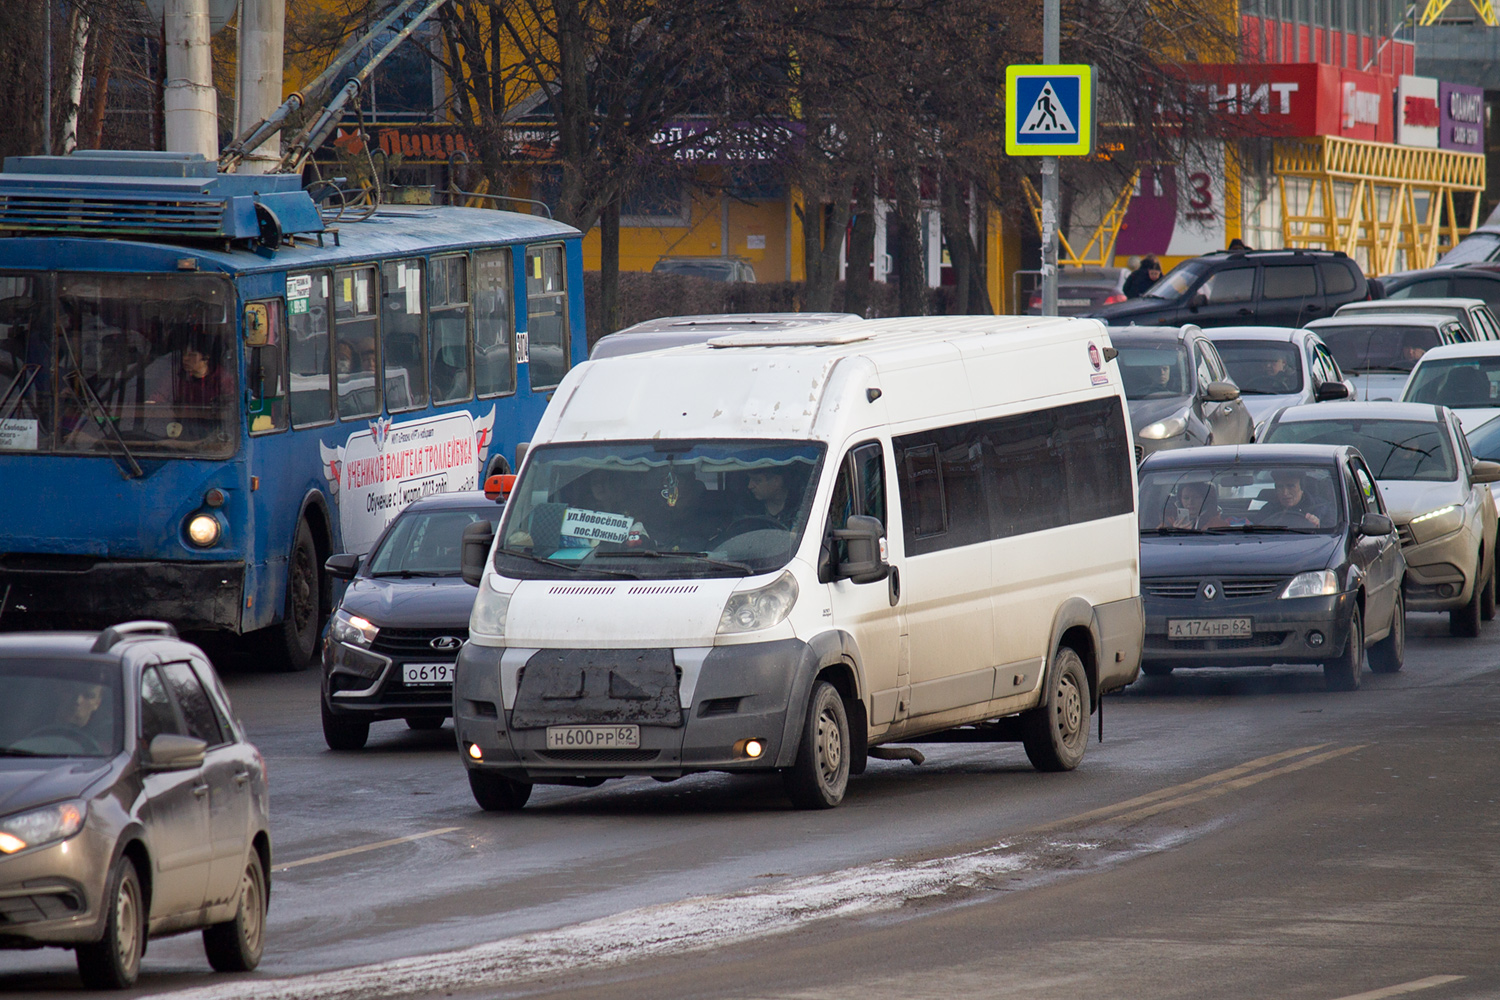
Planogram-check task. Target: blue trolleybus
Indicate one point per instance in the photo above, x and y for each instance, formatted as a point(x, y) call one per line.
point(206, 388)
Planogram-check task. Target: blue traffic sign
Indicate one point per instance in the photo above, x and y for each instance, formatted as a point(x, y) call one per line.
point(1049, 110)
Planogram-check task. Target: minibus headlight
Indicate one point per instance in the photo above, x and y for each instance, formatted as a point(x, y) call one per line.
point(353, 629)
point(1163, 429)
point(761, 608)
point(203, 530)
point(490, 611)
point(1319, 583)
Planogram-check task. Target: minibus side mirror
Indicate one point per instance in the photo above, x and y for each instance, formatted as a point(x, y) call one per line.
point(342, 566)
point(866, 562)
point(477, 539)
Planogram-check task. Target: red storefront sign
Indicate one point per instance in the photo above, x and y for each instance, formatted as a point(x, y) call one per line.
point(1297, 100)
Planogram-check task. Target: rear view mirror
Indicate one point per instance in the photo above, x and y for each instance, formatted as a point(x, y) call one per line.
point(1222, 392)
point(1376, 524)
point(866, 561)
point(170, 752)
point(1484, 472)
point(477, 539)
point(342, 566)
point(1331, 390)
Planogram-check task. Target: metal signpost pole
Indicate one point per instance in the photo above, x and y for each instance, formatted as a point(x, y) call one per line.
point(1051, 55)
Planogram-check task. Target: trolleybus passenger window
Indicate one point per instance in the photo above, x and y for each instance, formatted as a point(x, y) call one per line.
point(308, 348)
point(494, 324)
point(402, 338)
point(265, 366)
point(357, 351)
point(25, 369)
point(448, 329)
point(546, 316)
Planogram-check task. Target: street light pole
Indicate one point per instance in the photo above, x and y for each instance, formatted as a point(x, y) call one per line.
point(47, 79)
point(1051, 44)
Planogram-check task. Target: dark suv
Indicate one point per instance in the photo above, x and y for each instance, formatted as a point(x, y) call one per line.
point(1241, 288)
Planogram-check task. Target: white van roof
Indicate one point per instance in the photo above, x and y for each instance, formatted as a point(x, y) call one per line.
point(818, 384)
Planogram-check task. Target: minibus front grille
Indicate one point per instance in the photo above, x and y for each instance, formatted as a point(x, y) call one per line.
point(646, 590)
point(580, 590)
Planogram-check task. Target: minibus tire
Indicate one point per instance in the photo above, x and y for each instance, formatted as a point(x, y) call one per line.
point(1055, 734)
point(821, 774)
point(293, 647)
point(497, 793)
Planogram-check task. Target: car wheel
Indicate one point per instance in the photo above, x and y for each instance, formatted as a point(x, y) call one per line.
point(497, 793)
point(1487, 599)
point(1343, 673)
point(1056, 733)
point(1464, 621)
point(820, 775)
point(344, 732)
point(236, 945)
point(1387, 655)
point(114, 961)
point(1156, 669)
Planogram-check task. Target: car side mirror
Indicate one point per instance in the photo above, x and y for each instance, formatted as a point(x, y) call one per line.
point(1330, 390)
point(342, 566)
point(866, 563)
point(1376, 524)
point(1484, 472)
point(477, 539)
point(170, 752)
point(1198, 301)
point(1220, 391)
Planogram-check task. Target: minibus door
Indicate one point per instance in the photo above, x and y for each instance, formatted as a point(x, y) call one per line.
point(872, 613)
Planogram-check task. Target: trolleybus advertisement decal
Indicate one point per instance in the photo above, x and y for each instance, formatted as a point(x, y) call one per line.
point(377, 472)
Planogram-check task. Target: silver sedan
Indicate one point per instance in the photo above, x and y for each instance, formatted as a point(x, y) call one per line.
point(1276, 366)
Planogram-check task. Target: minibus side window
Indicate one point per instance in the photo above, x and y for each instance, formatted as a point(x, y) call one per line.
point(924, 505)
point(308, 348)
point(403, 339)
point(494, 324)
point(357, 358)
point(265, 366)
point(448, 330)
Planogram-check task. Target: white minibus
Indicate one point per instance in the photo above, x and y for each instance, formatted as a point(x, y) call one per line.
point(779, 551)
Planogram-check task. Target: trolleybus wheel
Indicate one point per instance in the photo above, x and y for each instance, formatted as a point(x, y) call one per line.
point(293, 643)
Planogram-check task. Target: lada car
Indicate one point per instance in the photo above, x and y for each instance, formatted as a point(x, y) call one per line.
point(390, 646)
point(1179, 391)
point(1275, 366)
point(1434, 489)
point(1269, 554)
point(131, 804)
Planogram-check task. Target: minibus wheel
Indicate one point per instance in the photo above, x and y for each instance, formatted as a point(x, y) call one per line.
point(497, 793)
point(1056, 732)
point(821, 774)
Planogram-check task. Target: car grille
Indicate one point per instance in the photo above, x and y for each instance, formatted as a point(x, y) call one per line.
point(1251, 586)
point(1260, 640)
point(1181, 590)
point(604, 756)
point(1405, 534)
point(1235, 589)
point(408, 642)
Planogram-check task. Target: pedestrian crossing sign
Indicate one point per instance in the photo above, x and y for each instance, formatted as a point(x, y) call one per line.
point(1049, 110)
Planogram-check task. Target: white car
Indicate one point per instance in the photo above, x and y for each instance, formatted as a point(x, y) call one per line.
point(1276, 366)
point(1379, 352)
point(1463, 377)
point(1472, 313)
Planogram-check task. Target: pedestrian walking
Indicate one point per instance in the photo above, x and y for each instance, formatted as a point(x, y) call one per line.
point(1143, 277)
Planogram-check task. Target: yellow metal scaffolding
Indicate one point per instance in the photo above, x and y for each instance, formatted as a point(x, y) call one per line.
point(1433, 11)
point(1099, 251)
point(1390, 207)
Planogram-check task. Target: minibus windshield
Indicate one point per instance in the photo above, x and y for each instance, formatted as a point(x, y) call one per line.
point(658, 509)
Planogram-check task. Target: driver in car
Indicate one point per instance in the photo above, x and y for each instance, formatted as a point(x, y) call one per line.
point(772, 496)
point(1289, 504)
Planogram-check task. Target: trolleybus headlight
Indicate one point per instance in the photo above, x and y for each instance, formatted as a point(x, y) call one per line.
point(353, 629)
point(203, 530)
point(761, 608)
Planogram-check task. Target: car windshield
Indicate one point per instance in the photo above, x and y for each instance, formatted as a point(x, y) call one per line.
point(427, 543)
point(1155, 372)
point(1474, 248)
point(1364, 349)
point(658, 509)
point(1094, 277)
point(60, 708)
point(1262, 367)
point(1395, 449)
point(1239, 499)
point(1175, 284)
point(713, 269)
point(1456, 382)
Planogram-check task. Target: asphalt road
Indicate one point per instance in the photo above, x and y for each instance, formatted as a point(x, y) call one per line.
point(1239, 834)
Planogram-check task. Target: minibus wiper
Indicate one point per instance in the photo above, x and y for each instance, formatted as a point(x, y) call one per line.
point(1173, 531)
point(575, 567)
point(744, 568)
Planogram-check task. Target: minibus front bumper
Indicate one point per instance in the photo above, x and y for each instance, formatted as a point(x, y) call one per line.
point(739, 694)
point(84, 592)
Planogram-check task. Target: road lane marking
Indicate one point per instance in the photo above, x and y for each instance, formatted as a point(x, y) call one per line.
point(1174, 790)
point(363, 848)
point(1414, 986)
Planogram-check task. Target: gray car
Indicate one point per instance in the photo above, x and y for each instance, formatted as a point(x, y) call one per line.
point(1179, 391)
point(1275, 366)
point(131, 804)
point(1472, 313)
point(1378, 352)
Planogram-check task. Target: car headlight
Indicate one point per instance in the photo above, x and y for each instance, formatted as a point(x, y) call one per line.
point(1319, 583)
point(761, 608)
point(491, 609)
point(41, 826)
point(1437, 522)
point(1162, 429)
point(353, 629)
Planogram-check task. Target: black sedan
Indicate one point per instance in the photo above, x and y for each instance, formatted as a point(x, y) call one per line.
point(391, 645)
point(1269, 554)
